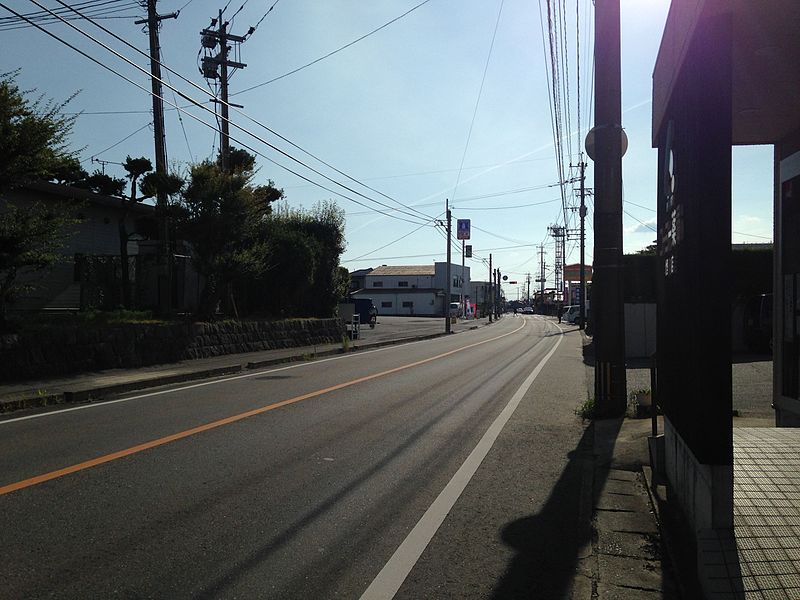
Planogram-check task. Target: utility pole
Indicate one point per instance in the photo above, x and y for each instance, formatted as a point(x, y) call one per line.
point(607, 288)
point(494, 283)
point(499, 294)
point(490, 302)
point(582, 308)
point(216, 67)
point(447, 270)
point(463, 279)
point(164, 255)
point(541, 279)
point(528, 280)
point(559, 234)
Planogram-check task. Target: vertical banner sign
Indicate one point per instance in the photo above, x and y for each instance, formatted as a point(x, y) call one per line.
point(462, 229)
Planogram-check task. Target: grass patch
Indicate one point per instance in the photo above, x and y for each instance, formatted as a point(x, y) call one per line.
point(587, 410)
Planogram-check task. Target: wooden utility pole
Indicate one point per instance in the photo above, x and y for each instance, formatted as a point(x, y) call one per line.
point(164, 253)
point(582, 302)
point(447, 270)
point(490, 302)
point(607, 288)
point(211, 40)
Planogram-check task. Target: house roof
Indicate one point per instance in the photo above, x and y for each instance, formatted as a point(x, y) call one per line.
point(68, 191)
point(404, 270)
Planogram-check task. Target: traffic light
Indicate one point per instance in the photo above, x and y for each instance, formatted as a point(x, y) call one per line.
point(468, 251)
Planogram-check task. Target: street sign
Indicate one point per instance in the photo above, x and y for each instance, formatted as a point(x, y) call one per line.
point(462, 229)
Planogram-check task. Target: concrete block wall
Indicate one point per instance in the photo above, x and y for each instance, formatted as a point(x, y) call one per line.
point(74, 349)
point(703, 492)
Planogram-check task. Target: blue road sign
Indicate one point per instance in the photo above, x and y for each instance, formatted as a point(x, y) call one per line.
point(462, 229)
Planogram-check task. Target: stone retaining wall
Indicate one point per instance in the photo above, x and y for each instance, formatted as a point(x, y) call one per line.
point(67, 350)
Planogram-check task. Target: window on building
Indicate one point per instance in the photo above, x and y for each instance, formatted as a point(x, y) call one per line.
point(456, 282)
point(402, 284)
point(408, 305)
point(377, 284)
point(386, 305)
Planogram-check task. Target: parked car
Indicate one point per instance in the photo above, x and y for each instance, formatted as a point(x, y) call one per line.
point(527, 310)
point(455, 309)
point(366, 310)
point(571, 313)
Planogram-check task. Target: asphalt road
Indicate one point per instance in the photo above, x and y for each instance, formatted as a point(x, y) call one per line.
point(450, 468)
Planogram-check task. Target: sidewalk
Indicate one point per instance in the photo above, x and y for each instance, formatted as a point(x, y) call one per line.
point(631, 560)
point(84, 387)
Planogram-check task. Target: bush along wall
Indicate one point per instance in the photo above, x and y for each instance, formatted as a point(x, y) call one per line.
point(70, 350)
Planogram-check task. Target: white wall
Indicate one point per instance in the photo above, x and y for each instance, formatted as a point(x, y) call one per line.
point(422, 303)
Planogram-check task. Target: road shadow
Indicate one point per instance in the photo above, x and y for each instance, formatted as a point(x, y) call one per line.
point(550, 545)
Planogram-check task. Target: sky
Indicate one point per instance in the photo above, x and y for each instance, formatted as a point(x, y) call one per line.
point(449, 100)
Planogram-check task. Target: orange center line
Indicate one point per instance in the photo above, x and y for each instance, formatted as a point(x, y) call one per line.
point(106, 458)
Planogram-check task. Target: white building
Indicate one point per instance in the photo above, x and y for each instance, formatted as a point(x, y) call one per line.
point(414, 289)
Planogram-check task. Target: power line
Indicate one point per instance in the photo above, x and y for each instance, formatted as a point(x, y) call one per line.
point(763, 237)
point(125, 139)
point(640, 221)
point(402, 237)
point(100, 63)
point(640, 206)
point(99, 10)
point(491, 195)
point(180, 118)
point(253, 30)
point(478, 99)
point(510, 207)
point(197, 104)
point(329, 54)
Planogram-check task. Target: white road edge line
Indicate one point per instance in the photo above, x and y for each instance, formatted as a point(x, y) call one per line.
point(217, 381)
point(394, 573)
point(222, 379)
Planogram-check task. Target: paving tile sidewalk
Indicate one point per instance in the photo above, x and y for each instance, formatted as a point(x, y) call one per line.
point(631, 561)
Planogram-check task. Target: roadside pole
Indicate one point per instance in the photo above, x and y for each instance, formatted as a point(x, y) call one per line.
point(463, 280)
point(447, 271)
point(489, 303)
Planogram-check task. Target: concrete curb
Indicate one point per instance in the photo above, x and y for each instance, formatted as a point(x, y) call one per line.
point(98, 393)
point(35, 399)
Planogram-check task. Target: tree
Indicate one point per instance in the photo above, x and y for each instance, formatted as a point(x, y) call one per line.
point(326, 227)
point(30, 241)
point(33, 134)
point(650, 249)
point(144, 184)
point(136, 168)
point(220, 216)
point(303, 276)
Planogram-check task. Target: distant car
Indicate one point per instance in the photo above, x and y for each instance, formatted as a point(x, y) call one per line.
point(571, 313)
point(527, 310)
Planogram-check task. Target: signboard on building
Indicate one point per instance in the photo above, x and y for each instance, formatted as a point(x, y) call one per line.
point(573, 272)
